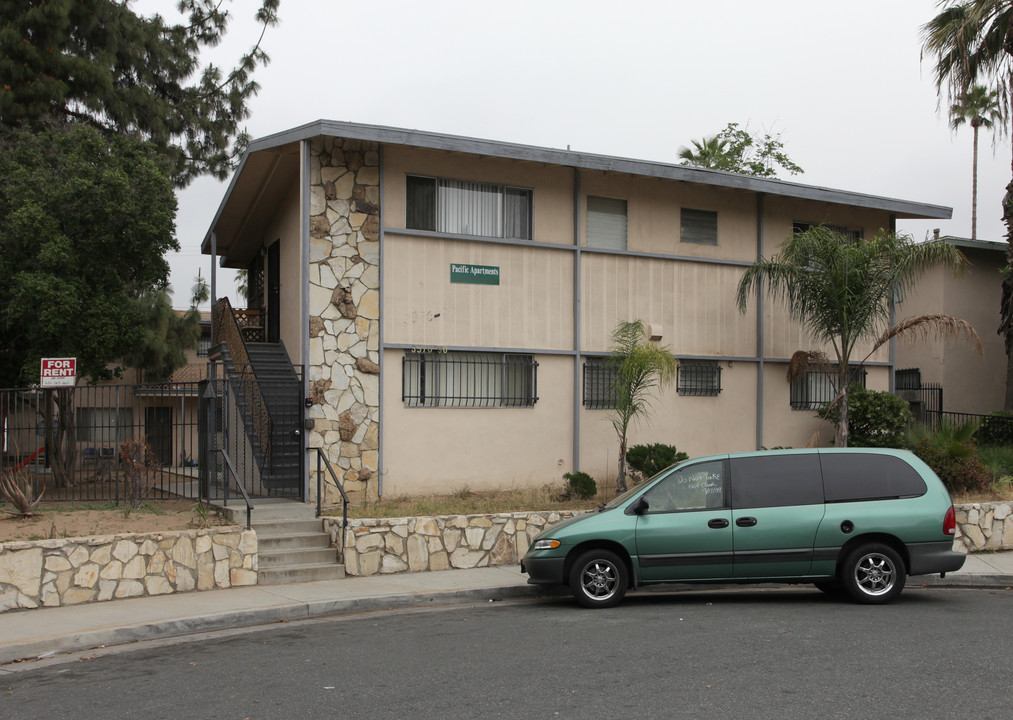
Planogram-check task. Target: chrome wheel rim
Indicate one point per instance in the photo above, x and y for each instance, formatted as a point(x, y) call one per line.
point(599, 580)
point(875, 574)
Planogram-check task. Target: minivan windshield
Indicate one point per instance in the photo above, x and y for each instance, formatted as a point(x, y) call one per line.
point(620, 499)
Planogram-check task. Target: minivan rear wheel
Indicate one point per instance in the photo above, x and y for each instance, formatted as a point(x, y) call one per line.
point(599, 579)
point(873, 574)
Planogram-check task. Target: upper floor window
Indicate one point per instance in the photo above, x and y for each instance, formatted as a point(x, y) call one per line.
point(467, 208)
point(468, 379)
point(698, 377)
point(204, 342)
point(851, 234)
point(606, 223)
point(818, 387)
point(699, 226)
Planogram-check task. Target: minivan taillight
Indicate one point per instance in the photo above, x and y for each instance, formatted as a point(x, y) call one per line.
point(950, 522)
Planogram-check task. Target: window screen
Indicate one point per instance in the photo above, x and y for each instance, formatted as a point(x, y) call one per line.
point(606, 223)
point(699, 226)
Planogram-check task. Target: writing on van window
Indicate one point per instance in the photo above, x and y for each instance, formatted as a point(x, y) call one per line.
point(694, 488)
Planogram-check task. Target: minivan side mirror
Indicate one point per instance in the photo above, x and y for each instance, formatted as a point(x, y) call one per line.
point(640, 506)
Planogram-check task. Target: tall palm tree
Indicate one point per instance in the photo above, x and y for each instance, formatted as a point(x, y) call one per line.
point(841, 291)
point(979, 107)
point(972, 42)
point(711, 152)
point(638, 368)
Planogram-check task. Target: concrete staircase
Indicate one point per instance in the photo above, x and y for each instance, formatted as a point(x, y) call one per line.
point(291, 544)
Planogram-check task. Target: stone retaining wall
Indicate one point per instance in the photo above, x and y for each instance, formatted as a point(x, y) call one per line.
point(69, 571)
point(393, 545)
point(984, 526)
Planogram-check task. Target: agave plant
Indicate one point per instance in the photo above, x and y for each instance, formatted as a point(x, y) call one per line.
point(16, 488)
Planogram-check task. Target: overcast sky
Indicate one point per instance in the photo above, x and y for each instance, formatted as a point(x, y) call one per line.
point(842, 82)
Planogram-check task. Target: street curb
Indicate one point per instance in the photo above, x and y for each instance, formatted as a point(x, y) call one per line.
point(294, 610)
point(964, 581)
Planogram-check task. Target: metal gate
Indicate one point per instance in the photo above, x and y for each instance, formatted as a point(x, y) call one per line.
point(65, 443)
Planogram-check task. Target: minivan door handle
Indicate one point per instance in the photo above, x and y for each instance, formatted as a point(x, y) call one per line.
point(745, 521)
point(717, 523)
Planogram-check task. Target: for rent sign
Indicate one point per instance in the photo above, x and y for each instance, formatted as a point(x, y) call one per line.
point(58, 372)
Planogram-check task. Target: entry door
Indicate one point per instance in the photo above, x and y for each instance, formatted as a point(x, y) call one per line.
point(686, 532)
point(158, 428)
point(273, 293)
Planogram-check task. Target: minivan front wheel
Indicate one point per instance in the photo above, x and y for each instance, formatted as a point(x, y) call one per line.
point(599, 579)
point(874, 574)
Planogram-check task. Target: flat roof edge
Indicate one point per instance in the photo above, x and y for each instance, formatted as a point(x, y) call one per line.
point(571, 158)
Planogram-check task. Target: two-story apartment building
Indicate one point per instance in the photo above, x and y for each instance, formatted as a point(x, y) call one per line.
point(450, 299)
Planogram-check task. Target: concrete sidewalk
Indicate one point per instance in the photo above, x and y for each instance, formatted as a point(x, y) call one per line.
point(38, 633)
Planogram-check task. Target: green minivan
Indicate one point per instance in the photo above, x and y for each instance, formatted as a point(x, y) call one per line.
point(854, 521)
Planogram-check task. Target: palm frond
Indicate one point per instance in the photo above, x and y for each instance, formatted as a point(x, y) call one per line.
point(943, 327)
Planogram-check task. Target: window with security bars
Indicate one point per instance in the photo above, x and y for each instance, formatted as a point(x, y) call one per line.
point(468, 380)
point(599, 376)
point(467, 208)
point(698, 377)
point(819, 387)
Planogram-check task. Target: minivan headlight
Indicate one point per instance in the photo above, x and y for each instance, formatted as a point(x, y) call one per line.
point(546, 544)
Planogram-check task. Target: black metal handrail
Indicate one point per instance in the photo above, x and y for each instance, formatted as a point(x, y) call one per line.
point(235, 475)
point(227, 330)
point(344, 496)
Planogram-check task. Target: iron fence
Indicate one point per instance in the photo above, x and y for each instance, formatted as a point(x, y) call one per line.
point(66, 442)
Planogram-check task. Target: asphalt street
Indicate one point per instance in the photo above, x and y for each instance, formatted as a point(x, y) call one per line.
point(739, 653)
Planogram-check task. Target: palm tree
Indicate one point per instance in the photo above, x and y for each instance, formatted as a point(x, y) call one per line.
point(972, 42)
point(841, 291)
point(638, 367)
point(709, 153)
point(200, 292)
point(978, 107)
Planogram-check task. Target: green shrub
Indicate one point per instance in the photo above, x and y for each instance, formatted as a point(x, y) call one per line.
point(875, 418)
point(960, 474)
point(996, 429)
point(998, 459)
point(579, 486)
point(951, 453)
point(646, 461)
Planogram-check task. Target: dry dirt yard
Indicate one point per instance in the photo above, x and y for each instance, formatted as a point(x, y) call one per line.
point(81, 519)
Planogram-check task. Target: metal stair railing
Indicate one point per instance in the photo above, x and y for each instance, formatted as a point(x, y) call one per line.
point(227, 330)
point(322, 460)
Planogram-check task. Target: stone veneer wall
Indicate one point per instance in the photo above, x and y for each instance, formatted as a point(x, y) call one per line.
point(69, 571)
point(344, 324)
point(393, 545)
point(984, 526)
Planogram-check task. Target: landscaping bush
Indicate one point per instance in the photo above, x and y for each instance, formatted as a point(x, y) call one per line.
point(579, 486)
point(951, 453)
point(959, 474)
point(996, 429)
point(998, 459)
point(875, 419)
point(646, 461)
